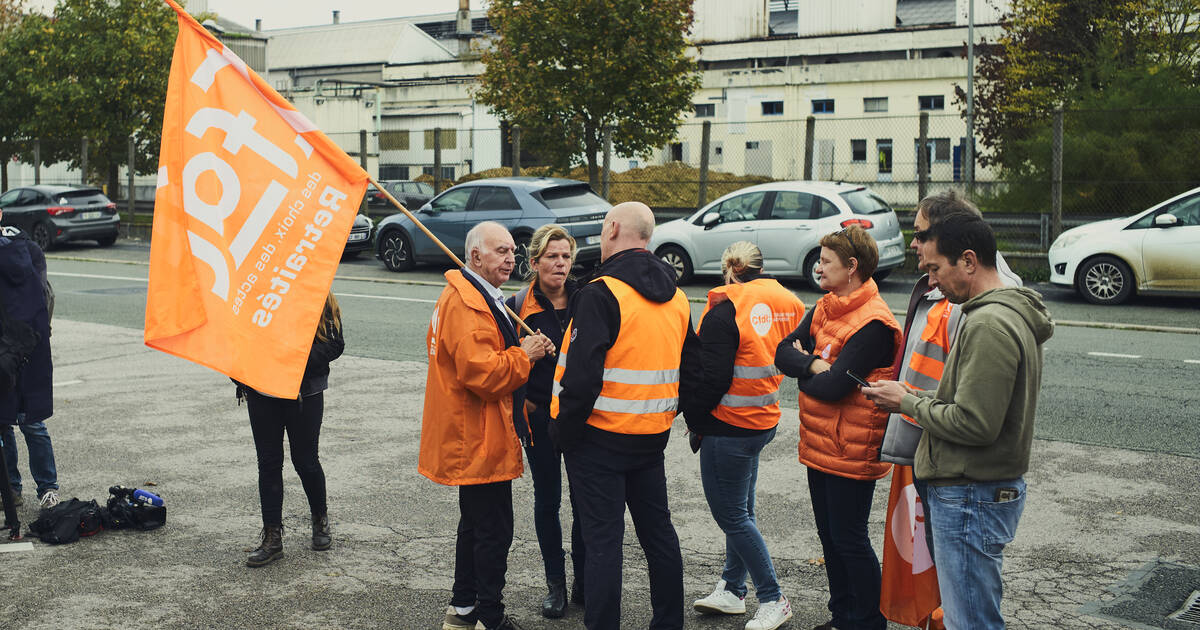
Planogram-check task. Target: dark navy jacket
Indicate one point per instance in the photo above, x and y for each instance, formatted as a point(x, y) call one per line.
point(23, 296)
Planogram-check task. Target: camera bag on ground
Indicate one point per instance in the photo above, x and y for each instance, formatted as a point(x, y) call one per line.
point(67, 521)
point(125, 511)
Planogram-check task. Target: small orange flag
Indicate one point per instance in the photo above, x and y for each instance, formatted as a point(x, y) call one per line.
point(251, 215)
point(909, 592)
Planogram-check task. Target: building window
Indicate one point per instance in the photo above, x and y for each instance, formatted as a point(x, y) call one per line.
point(875, 104)
point(449, 139)
point(858, 150)
point(392, 171)
point(705, 110)
point(932, 102)
point(393, 140)
point(772, 108)
point(677, 152)
point(447, 172)
point(752, 145)
point(822, 106)
point(884, 148)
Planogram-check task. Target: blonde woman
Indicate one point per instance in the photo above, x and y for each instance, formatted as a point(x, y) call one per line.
point(270, 417)
point(734, 414)
point(543, 306)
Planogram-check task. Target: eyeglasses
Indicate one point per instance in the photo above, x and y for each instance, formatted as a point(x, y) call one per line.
point(922, 235)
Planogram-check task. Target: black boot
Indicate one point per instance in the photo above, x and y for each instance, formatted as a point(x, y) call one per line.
point(321, 536)
point(271, 548)
point(555, 604)
point(577, 592)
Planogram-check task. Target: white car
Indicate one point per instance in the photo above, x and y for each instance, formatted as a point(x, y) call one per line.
point(1156, 251)
point(786, 220)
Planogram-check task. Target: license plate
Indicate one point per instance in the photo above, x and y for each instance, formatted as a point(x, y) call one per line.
point(361, 236)
point(892, 250)
point(94, 214)
point(592, 240)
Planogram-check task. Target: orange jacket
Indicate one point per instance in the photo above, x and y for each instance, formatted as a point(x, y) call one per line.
point(467, 434)
point(765, 312)
point(843, 437)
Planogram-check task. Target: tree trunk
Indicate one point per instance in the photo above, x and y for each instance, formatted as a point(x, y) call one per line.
point(114, 180)
point(591, 145)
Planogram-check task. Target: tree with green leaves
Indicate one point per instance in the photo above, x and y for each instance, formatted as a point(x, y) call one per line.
point(564, 70)
point(96, 69)
point(1127, 75)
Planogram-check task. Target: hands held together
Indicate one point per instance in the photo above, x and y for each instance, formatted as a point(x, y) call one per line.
point(537, 346)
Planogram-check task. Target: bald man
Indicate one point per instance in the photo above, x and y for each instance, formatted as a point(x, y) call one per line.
point(615, 396)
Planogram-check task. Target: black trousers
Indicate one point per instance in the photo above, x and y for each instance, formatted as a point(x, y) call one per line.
point(485, 532)
point(841, 507)
point(604, 482)
point(269, 419)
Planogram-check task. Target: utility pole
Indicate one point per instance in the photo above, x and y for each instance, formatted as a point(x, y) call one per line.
point(969, 162)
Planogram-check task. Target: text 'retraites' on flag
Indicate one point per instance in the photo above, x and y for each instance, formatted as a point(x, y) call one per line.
point(251, 214)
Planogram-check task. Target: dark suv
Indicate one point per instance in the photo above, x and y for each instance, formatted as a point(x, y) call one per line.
point(412, 194)
point(521, 204)
point(57, 214)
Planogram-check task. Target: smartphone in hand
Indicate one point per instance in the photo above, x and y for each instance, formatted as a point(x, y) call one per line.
point(857, 379)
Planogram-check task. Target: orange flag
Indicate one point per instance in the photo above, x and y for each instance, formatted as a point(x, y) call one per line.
point(253, 208)
point(909, 592)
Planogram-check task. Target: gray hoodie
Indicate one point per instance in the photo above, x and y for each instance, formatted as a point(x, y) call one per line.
point(979, 422)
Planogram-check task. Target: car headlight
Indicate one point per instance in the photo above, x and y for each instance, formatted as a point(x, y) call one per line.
point(1066, 240)
point(370, 223)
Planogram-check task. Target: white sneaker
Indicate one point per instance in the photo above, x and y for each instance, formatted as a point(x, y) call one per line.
point(771, 615)
point(723, 602)
point(49, 500)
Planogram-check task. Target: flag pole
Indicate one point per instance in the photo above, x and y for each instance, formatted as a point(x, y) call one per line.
point(440, 244)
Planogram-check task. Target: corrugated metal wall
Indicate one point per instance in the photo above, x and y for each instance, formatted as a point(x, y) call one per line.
point(729, 20)
point(826, 17)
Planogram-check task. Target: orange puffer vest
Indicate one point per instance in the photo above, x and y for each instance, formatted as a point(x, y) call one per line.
point(843, 437)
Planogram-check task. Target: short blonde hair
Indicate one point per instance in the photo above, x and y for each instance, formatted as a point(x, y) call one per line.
point(541, 239)
point(739, 258)
point(854, 242)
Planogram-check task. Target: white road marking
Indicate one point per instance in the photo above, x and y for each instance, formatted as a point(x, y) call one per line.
point(64, 383)
point(385, 297)
point(92, 275)
point(1115, 355)
point(1194, 361)
point(16, 546)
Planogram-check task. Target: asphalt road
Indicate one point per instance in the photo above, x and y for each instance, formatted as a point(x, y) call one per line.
point(1126, 388)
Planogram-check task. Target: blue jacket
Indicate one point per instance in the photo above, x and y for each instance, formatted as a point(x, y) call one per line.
point(22, 294)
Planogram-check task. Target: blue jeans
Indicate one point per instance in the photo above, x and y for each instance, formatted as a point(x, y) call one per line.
point(841, 507)
point(729, 472)
point(41, 456)
point(970, 530)
point(545, 466)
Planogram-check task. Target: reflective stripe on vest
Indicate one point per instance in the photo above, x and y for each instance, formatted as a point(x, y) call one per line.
point(928, 360)
point(640, 389)
point(765, 313)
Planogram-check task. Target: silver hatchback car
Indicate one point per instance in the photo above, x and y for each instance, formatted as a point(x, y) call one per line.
point(786, 220)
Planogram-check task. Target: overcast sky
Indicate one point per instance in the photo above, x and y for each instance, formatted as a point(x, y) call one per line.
point(289, 13)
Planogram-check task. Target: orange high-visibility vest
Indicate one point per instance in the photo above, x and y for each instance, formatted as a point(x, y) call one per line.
point(640, 392)
point(928, 359)
point(765, 313)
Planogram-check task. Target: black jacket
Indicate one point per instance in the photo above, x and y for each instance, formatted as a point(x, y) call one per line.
point(541, 375)
point(869, 348)
point(316, 371)
point(23, 296)
point(596, 321)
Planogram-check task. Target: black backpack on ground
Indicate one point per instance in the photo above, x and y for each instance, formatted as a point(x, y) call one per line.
point(67, 521)
point(122, 513)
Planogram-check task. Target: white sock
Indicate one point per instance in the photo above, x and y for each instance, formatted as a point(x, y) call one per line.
point(464, 610)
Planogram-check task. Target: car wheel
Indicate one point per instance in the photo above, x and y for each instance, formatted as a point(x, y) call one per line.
point(41, 236)
point(810, 270)
point(679, 261)
point(107, 240)
point(521, 253)
point(1104, 280)
point(395, 250)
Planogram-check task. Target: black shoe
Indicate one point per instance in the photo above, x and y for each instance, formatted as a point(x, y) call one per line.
point(322, 539)
point(507, 623)
point(576, 592)
point(555, 604)
point(271, 548)
point(828, 625)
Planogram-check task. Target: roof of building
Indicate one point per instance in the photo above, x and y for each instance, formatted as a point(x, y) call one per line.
point(393, 41)
point(924, 12)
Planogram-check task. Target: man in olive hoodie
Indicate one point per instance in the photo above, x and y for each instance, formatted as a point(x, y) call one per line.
point(979, 422)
